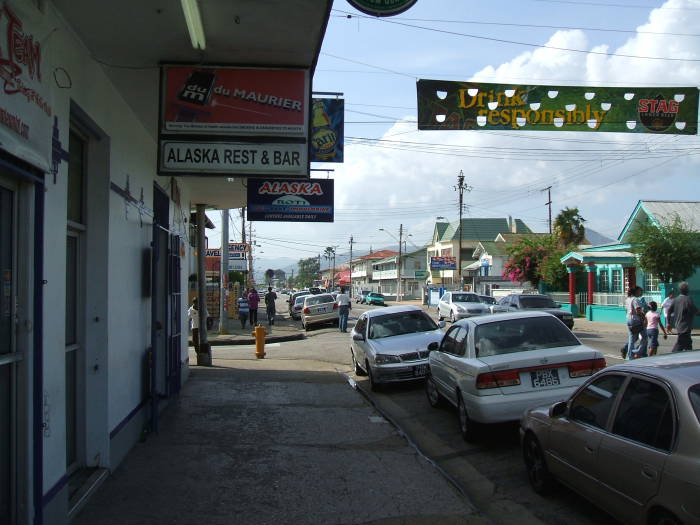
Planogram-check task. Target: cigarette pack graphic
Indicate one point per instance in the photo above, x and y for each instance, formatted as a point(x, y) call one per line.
point(197, 88)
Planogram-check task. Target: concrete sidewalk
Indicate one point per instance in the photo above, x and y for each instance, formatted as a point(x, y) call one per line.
point(267, 442)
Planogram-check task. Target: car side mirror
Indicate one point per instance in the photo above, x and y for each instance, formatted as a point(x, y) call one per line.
point(433, 346)
point(442, 324)
point(558, 409)
point(358, 337)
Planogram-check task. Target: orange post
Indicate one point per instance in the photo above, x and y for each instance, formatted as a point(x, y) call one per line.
point(259, 334)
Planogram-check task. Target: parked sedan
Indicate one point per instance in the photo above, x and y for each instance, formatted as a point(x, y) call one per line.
point(628, 440)
point(519, 302)
point(458, 305)
point(317, 309)
point(392, 344)
point(298, 306)
point(493, 368)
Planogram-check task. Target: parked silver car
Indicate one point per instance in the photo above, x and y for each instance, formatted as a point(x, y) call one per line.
point(458, 305)
point(628, 440)
point(392, 344)
point(518, 302)
point(320, 308)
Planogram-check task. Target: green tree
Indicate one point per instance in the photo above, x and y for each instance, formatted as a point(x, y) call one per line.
point(308, 271)
point(535, 259)
point(670, 251)
point(569, 228)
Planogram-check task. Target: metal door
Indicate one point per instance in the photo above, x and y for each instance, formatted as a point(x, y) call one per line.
point(174, 319)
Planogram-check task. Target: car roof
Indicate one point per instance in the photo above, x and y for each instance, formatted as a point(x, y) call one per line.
point(392, 310)
point(679, 368)
point(485, 319)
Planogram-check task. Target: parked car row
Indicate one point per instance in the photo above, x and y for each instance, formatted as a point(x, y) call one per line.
point(627, 437)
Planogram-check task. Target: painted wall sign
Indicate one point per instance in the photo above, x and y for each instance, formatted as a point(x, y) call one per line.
point(382, 7)
point(205, 158)
point(421, 274)
point(447, 105)
point(26, 113)
point(201, 100)
point(445, 262)
point(327, 130)
point(290, 200)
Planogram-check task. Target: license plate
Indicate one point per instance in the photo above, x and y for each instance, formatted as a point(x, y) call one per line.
point(420, 370)
point(543, 378)
point(321, 311)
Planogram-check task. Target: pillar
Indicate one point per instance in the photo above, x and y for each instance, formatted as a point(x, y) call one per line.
point(572, 284)
point(590, 268)
point(204, 354)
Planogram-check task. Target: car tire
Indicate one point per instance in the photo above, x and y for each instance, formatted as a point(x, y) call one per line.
point(356, 366)
point(663, 517)
point(467, 428)
point(452, 317)
point(440, 316)
point(538, 474)
point(373, 385)
point(434, 396)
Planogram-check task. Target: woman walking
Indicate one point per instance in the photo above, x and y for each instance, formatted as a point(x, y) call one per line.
point(635, 324)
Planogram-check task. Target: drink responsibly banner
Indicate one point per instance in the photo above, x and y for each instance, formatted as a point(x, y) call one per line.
point(447, 105)
point(290, 200)
point(445, 262)
point(327, 130)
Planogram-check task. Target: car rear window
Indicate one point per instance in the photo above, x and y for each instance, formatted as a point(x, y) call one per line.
point(694, 394)
point(520, 335)
point(319, 299)
point(536, 302)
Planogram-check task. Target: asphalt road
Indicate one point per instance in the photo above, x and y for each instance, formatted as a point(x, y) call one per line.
point(490, 471)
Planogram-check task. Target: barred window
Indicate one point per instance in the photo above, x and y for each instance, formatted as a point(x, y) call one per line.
point(616, 281)
point(604, 281)
point(651, 282)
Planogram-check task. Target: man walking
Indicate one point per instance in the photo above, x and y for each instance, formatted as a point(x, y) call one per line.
point(683, 310)
point(270, 298)
point(666, 307)
point(193, 314)
point(344, 306)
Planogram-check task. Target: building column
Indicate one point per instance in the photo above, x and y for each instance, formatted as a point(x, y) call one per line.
point(572, 284)
point(590, 268)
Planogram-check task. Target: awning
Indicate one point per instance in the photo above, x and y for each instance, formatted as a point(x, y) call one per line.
point(611, 257)
point(342, 278)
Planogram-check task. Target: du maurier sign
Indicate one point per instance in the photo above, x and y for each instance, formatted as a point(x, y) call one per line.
point(447, 105)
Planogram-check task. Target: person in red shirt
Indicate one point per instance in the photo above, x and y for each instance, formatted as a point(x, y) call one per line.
point(253, 301)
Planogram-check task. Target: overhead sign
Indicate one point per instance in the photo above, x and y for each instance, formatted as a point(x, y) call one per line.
point(443, 263)
point(447, 105)
point(327, 130)
point(26, 113)
point(204, 100)
point(206, 158)
point(290, 200)
point(382, 7)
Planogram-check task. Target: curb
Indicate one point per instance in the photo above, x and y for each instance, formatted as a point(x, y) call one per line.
point(251, 341)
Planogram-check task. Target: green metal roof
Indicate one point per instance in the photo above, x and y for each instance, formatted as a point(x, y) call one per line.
point(480, 229)
point(493, 248)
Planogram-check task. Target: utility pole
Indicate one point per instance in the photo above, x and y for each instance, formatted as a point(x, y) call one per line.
point(204, 354)
point(245, 284)
point(350, 265)
point(333, 272)
point(224, 272)
point(548, 189)
point(461, 188)
point(398, 267)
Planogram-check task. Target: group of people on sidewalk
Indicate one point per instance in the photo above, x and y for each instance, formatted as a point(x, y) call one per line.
point(249, 303)
point(644, 322)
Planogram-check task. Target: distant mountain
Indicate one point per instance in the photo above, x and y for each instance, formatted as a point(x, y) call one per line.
point(262, 263)
point(596, 238)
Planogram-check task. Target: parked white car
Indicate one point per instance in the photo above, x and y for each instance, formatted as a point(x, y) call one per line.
point(392, 344)
point(317, 309)
point(458, 305)
point(493, 368)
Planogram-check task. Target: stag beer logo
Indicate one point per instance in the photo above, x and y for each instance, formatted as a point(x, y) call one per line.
point(657, 114)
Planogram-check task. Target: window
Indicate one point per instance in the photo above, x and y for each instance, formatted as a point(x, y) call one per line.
point(400, 324)
point(651, 282)
point(449, 342)
point(694, 394)
point(616, 281)
point(465, 298)
point(536, 301)
point(593, 405)
point(645, 415)
point(521, 335)
point(361, 325)
point(604, 285)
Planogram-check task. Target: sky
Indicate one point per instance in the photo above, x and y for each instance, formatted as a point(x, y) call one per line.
point(395, 175)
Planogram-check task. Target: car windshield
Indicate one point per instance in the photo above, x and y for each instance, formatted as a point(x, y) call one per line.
point(536, 302)
point(520, 335)
point(487, 300)
point(319, 299)
point(465, 298)
point(694, 393)
point(376, 295)
point(400, 324)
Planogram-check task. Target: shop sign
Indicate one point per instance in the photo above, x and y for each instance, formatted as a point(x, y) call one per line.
point(382, 7)
point(290, 200)
point(421, 274)
point(243, 158)
point(447, 105)
point(231, 101)
point(327, 130)
point(445, 262)
point(26, 114)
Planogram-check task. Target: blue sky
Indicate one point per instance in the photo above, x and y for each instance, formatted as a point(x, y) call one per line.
point(405, 179)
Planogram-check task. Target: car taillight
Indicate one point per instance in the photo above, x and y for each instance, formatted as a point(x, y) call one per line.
point(496, 379)
point(335, 306)
point(307, 311)
point(586, 368)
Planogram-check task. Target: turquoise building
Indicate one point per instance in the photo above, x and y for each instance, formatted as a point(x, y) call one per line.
point(599, 276)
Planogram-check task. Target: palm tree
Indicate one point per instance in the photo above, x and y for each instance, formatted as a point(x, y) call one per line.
point(569, 228)
point(329, 254)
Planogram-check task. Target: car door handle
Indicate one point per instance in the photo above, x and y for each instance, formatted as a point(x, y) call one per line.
point(648, 472)
point(589, 449)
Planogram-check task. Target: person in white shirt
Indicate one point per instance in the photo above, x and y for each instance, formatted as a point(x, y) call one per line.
point(666, 307)
point(344, 306)
point(193, 314)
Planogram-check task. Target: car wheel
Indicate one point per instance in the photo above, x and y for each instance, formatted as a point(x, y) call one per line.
point(467, 427)
point(452, 316)
point(373, 385)
point(356, 365)
point(434, 396)
point(440, 316)
point(663, 517)
point(537, 472)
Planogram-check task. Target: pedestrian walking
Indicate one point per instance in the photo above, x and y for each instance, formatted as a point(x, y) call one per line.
point(666, 307)
point(683, 310)
point(193, 314)
point(243, 308)
point(253, 302)
point(270, 298)
point(653, 324)
point(636, 333)
point(344, 307)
